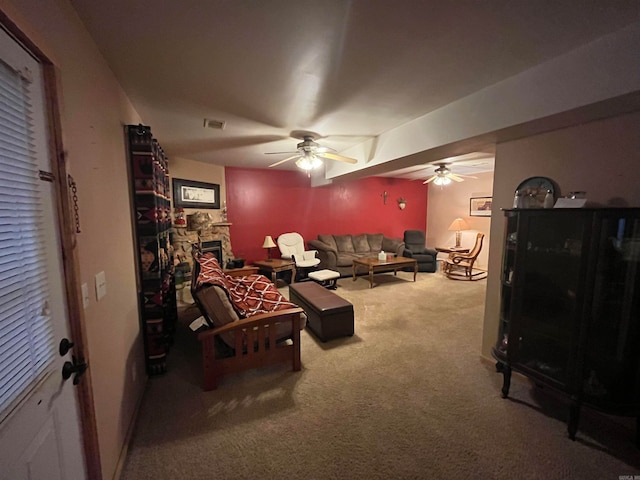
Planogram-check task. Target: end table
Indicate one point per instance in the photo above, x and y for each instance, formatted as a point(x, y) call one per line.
point(276, 265)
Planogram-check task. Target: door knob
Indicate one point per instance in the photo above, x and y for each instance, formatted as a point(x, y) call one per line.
point(76, 368)
point(65, 346)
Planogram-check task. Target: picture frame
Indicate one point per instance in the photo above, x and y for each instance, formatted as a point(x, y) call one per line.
point(480, 206)
point(194, 194)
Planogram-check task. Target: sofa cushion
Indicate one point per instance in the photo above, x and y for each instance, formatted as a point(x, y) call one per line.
point(360, 243)
point(344, 243)
point(375, 241)
point(390, 244)
point(213, 298)
point(329, 240)
point(346, 259)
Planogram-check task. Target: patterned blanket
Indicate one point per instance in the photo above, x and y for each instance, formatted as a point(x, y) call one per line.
point(249, 295)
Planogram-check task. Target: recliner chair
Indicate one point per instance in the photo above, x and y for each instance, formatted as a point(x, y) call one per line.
point(292, 247)
point(415, 248)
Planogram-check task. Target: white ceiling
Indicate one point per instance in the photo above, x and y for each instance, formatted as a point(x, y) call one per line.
point(346, 69)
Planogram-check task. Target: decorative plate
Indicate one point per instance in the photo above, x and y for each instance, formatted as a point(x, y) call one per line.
point(534, 189)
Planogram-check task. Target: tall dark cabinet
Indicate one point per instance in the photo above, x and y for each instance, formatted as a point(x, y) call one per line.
point(151, 193)
point(570, 311)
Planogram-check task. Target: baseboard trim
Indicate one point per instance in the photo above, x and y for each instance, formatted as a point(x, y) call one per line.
point(117, 474)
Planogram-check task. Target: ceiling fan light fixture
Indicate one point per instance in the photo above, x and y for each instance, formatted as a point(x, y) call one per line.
point(308, 162)
point(442, 181)
point(311, 155)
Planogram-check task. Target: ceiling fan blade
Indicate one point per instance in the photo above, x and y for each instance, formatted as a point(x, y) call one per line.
point(340, 158)
point(282, 161)
point(430, 179)
point(464, 176)
point(321, 150)
point(455, 177)
point(279, 153)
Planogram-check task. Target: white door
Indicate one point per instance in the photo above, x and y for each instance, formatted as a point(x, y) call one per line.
point(40, 435)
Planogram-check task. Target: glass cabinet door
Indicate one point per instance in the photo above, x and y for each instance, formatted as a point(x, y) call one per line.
point(508, 266)
point(550, 274)
point(612, 367)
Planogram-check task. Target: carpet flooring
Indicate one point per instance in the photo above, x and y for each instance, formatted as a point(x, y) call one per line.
point(407, 397)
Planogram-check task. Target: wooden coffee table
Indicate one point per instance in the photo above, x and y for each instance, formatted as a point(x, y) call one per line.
point(373, 265)
point(276, 265)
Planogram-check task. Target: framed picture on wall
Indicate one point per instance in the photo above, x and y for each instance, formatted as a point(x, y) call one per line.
point(480, 206)
point(192, 194)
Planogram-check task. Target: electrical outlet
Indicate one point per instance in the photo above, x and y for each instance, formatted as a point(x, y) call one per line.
point(101, 285)
point(85, 295)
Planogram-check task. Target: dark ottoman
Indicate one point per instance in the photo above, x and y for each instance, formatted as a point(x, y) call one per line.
point(328, 315)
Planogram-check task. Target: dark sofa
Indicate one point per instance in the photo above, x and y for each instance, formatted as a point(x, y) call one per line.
point(336, 252)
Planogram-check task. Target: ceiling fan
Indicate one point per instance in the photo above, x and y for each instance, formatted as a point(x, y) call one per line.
point(309, 154)
point(443, 175)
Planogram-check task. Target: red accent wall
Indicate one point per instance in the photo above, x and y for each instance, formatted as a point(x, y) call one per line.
point(269, 202)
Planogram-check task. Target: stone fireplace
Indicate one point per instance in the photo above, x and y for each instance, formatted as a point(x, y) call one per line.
point(213, 246)
point(182, 239)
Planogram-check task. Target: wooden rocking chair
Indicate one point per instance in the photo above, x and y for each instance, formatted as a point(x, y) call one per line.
point(459, 266)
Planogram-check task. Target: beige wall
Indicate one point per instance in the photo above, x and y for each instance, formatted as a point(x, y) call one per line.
point(600, 158)
point(94, 110)
point(452, 201)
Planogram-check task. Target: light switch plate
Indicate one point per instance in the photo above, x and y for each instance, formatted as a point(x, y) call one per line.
point(101, 285)
point(85, 295)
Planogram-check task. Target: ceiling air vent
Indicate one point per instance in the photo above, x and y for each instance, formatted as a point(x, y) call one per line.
point(216, 124)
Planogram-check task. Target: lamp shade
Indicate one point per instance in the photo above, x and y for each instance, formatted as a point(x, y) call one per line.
point(268, 242)
point(458, 224)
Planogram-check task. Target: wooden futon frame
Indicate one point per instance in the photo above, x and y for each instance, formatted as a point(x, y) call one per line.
point(255, 339)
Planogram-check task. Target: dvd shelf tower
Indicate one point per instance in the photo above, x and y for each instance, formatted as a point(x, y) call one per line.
point(151, 193)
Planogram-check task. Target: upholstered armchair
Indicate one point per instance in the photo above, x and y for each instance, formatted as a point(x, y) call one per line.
point(292, 247)
point(414, 247)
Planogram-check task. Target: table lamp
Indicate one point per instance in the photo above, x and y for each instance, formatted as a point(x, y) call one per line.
point(458, 224)
point(268, 244)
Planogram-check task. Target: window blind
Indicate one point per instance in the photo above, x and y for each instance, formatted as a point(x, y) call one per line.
point(26, 335)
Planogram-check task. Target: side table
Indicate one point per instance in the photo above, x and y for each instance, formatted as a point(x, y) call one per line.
point(241, 272)
point(276, 265)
